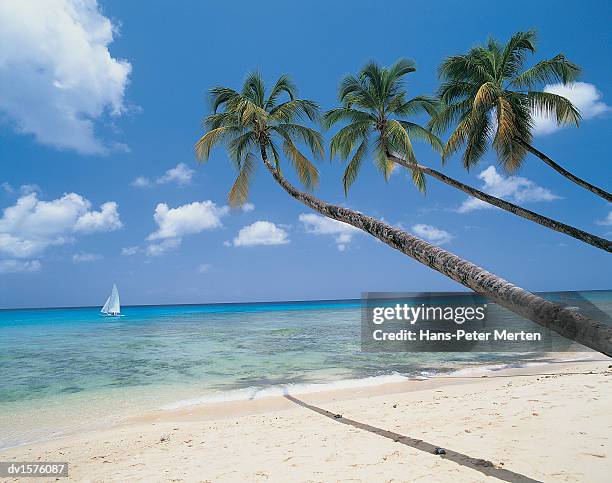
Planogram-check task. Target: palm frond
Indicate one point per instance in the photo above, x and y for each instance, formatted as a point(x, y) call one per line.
point(513, 56)
point(306, 171)
point(343, 142)
point(401, 68)
point(430, 105)
point(449, 114)
point(212, 138)
point(220, 95)
point(382, 161)
point(416, 131)
point(310, 137)
point(283, 84)
point(486, 96)
point(557, 69)
point(352, 169)
point(295, 109)
point(550, 104)
point(254, 89)
point(240, 145)
point(239, 193)
point(333, 116)
point(479, 132)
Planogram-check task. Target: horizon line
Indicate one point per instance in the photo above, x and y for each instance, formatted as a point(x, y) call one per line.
point(262, 302)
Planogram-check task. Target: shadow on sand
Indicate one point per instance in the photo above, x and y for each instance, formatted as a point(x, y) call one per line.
point(483, 466)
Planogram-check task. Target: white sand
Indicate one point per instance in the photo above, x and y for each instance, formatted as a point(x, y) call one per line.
point(515, 428)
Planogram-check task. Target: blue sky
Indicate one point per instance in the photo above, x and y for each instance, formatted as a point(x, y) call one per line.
point(83, 116)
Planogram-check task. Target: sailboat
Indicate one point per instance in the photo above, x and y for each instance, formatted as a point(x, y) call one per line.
point(112, 307)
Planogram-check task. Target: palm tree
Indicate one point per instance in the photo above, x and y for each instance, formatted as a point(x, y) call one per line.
point(250, 122)
point(488, 95)
point(374, 105)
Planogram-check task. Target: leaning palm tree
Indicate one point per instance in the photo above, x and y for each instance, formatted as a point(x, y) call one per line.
point(251, 122)
point(488, 95)
point(374, 109)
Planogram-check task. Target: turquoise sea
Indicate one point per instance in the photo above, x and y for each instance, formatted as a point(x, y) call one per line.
point(62, 370)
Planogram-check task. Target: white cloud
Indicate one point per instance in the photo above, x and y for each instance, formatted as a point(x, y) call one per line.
point(15, 266)
point(432, 234)
point(85, 257)
point(7, 188)
point(129, 251)
point(321, 225)
point(157, 249)
point(180, 174)
point(141, 182)
point(512, 188)
point(261, 233)
point(57, 75)
point(186, 219)
point(584, 96)
point(607, 221)
point(247, 207)
point(174, 223)
point(204, 268)
point(107, 219)
point(30, 226)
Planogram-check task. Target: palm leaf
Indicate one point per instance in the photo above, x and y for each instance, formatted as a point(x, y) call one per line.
point(557, 69)
point(306, 171)
point(550, 104)
point(283, 84)
point(239, 193)
point(352, 169)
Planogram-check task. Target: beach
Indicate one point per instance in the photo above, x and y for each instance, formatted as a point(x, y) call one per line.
point(544, 422)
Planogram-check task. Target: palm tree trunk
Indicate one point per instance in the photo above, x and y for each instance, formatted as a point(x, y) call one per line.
point(568, 323)
point(581, 235)
point(564, 172)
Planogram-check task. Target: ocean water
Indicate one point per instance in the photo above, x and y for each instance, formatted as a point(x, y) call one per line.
point(63, 370)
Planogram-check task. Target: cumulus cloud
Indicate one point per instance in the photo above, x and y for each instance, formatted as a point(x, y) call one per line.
point(175, 223)
point(85, 257)
point(432, 234)
point(607, 221)
point(107, 219)
point(180, 174)
point(261, 233)
point(512, 188)
point(16, 266)
point(186, 219)
point(583, 95)
point(57, 76)
point(30, 226)
point(321, 225)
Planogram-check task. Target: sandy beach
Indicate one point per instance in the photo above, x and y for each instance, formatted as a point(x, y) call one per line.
point(540, 423)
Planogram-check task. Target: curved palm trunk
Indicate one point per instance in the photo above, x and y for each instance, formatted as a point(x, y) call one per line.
point(566, 322)
point(564, 172)
point(581, 235)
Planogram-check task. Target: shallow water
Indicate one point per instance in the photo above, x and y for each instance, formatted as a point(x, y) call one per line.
point(67, 369)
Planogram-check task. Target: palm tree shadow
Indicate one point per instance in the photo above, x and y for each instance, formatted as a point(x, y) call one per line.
point(483, 466)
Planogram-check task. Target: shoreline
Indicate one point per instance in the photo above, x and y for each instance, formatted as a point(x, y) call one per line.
point(518, 407)
point(273, 398)
point(261, 399)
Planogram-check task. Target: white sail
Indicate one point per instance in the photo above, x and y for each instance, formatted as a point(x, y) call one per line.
point(112, 305)
point(106, 305)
